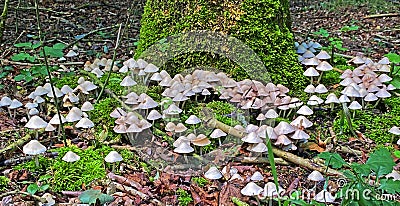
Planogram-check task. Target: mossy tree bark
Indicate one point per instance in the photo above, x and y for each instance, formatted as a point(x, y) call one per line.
point(263, 25)
point(3, 19)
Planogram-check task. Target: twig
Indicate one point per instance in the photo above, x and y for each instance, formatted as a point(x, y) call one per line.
point(90, 33)
point(49, 73)
point(15, 192)
point(381, 15)
point(124, 180)
point(15, 144)
point(72, 193)
point(210, 121)
point(45, 9)
point(261, 160)
point(112, 63)
point(8, 62)
point(134, 192)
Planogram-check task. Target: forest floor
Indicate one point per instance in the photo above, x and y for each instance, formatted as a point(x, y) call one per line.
point(360, 32)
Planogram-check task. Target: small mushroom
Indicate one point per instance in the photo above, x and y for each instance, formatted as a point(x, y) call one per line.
point(15, 104)
point(325, 197)
point(36, 123)
point(34, 148)
point(213, 174)
point(113, 157)
point(71, 157)
point(217, 133)
point(316, 177)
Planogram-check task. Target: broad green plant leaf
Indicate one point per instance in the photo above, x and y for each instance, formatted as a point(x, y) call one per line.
point(91, 196)
point(332, 159)
point(381, 162)
point(32, 188)
point(396, 82)
point(24, 45)
point(22, 57)
point(393, 57)
point(391, 186)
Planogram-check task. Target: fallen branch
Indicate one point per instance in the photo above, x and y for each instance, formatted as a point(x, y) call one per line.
point(381, 15)
point(15, 192)
point(134, 192)
point(261, 160)
point(71, 193)
point(210, 121)
point(16, 144)
point(124, 180)
point(8, 62)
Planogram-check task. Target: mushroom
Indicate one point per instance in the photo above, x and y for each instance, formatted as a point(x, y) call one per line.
point(252, 189)
point(213, 174)
point(270, 191)
point(311, 72)
point(112, 158)
point(36, 123)
point(192, 120)
point(71, 157)
point(325, 197)
point(394, 131)
point(34, 148)
point(154, 115)
point(355, 106)
point(201, 140)
point(184, 148)
point(217, 133)
point(257, 176)
point(15, 104)
point(316, 177)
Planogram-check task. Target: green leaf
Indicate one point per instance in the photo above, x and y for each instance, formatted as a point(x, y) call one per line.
point(3, 74)
point(391, 186)
point(91, 196)
point(396, 82)
point(393, 57)
point(381, 162)
point(45, 177)
point(362, 169)
point(20, 56)
point(397, 153)
point(24, 44)
point(44, 187)
point(37, 45)
point(52, 52)
point(336, 161)
point(59, 46)
point(32, 188)
point(19, 77)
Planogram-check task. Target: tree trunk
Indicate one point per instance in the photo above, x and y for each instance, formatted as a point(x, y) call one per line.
point(262, 25)
point(3, 19)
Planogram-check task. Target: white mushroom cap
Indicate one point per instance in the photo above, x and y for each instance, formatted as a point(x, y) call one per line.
point(321, 89)
point(252, 137)
point(31, 105)
point(118, 112)
point(113, 156)
point(40, 91)
point(324, 196)
point(15, 104)
point(283, 128)
point(154, 115)
point(394, 174)
point(49, 128)
point(33, 111)
point(66, 89)
point(74, 115)
point(184, 148)
point(395, 130)
point(71, 53)
point(270, 190)
point(56, 120)
point(271, 114)
point(355, 105)
point(311, 72)
point(309, 89)
point(300, 134)
point(315, 176)
point(193, 119)
point(213, 173)
point(257, 176)
point(303, 121)
point(87, 106)
point(127, 82)
point(156, 77)
point(84, 123)
point(34, 148)
point(71, 157)
point(172, 109)
point(251, 189)
point(36, 122)
point(217, 133)
point(331, 98)
point(305, 110)
point(343, 98)
point(5, 101)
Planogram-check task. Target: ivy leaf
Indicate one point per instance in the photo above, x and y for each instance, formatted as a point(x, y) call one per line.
point(91, 196)
point(391, 186)
point(381, 162)
point(59, 46)
point(336, 161)
point(32, 188)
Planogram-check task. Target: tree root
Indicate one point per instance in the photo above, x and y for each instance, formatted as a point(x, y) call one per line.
point(210, 121)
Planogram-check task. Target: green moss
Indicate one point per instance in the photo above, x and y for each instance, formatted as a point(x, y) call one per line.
point(113, 83)
point(4, 183)
point(101, 117)
point(200, 181)
point(70, 79)
point(264, 26)
point(372, 125)
point(71, 176)
point(225, 112)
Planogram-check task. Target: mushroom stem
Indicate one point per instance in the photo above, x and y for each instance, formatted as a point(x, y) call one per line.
point(311, 80)
point(113, 168)
point(320, 77)
point(36, 161)
point(9, 112)
point(377, 102)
